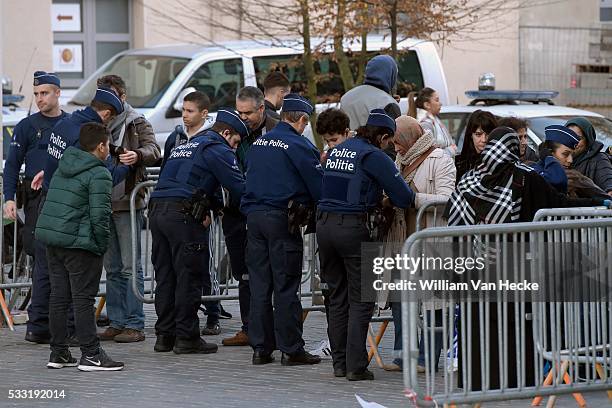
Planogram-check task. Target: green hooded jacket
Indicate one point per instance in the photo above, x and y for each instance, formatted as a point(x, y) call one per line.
point(77, 210)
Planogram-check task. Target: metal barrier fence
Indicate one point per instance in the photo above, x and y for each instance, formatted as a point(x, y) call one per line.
point(218, 251)
point(512, 348)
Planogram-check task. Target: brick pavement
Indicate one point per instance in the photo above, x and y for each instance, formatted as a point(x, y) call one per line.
point(225, 379)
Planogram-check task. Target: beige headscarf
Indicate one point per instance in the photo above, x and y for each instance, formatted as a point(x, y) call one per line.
point(424, 142)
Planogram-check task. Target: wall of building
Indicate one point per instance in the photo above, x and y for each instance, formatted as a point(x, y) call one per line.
point(26, 34)
point(492, 47)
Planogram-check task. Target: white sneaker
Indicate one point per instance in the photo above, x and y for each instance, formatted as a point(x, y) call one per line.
point(323, 350)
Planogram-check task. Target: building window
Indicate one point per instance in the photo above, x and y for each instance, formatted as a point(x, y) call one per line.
point(605, 11)
point(86, 34)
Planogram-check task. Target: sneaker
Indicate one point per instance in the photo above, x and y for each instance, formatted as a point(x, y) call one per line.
point(323, 350)
point(239, 339)
point(211, 329)
point(130, 336)
point(109, 334)
point(99, 362)
point(61, 359)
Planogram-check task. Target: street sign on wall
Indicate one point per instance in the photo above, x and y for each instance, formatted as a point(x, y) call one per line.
point(66, 17)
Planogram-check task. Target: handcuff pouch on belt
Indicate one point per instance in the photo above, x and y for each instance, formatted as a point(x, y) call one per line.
point(378, 223)
point(200, 206)
point(299, 215)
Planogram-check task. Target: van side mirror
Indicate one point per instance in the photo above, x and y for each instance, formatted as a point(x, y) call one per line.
point(177, 107)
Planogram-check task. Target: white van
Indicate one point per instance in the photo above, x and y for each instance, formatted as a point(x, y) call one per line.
point(156, 77)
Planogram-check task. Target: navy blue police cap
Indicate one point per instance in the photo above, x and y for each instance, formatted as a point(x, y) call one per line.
point(562, 134)
point(231, 118)
point(109, 97)
point(378, 117)
point(44, 78)
point(295, 103)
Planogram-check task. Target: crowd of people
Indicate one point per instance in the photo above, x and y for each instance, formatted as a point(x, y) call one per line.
point(255, 173)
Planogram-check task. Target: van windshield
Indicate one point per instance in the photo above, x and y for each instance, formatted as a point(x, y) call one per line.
point(146, 76)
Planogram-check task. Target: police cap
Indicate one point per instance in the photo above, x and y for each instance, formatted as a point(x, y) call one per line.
point(562, 134)
point(231, 118)
point(42, 78)
point(109, 97)
point(295, 103)
point(378, 117)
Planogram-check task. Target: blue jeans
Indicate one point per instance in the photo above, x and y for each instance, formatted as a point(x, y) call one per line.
point(123, 308)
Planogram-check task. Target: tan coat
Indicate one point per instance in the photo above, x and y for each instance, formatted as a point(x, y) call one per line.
point(434, 180)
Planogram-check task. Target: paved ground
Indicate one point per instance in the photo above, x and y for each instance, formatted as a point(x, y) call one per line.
point(224, 379)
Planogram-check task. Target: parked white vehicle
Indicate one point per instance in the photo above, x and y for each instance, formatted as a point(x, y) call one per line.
point(156, 77)
point(533, 106)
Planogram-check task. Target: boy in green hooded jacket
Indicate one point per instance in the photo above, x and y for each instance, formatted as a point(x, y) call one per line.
point(74, 224)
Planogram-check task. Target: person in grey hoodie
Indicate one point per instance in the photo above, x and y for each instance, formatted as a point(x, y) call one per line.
point(378, 85)
point(133, 144)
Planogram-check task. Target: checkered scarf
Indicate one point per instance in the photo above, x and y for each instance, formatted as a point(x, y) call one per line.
point(486, 195)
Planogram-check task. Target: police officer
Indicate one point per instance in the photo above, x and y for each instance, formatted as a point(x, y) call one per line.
point(250, 105)
point(283, 171)
point(103, 108)
point(356, 173)
point(188, 183)
point(29, 146)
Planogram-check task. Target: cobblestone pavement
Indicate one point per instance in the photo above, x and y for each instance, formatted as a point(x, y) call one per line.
point(224, 379)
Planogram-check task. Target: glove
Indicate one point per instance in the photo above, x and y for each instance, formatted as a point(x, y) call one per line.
point(607, 203)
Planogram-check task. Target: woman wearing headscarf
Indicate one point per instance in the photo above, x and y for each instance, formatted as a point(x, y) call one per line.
point(430, 173)
point(480, 124)
point(501, 189)
point(589, 159)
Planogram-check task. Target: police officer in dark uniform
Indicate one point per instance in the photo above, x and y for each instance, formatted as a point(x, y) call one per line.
point(356, 173)
point(250, 105)
point(180, 208)
point(283, 179)
point(29, 146)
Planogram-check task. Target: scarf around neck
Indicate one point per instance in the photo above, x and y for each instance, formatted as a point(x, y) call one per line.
point(422, 144)
point(485, 195)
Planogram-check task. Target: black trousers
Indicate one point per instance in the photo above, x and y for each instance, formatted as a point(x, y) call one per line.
point(340, 237)
point(75, 278)
point(38, 309)
point(274, 259)
point(235, 232)
point(180, 257)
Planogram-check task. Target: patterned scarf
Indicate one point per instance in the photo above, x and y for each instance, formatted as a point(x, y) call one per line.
point(485, 195)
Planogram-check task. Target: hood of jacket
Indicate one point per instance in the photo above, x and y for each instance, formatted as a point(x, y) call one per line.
point(593, 145)
point(381, 72)
point(75, 161)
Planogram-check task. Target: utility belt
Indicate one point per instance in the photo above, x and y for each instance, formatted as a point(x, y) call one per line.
point(300, 215)
point(199, 206)
point(376, 220)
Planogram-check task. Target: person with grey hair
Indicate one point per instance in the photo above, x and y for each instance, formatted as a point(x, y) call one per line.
point(250, 105)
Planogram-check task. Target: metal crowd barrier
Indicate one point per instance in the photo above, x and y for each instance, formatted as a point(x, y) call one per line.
point(218, 255)
point(514, 348)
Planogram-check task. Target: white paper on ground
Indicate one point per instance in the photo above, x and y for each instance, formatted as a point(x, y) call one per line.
point(365, 404)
